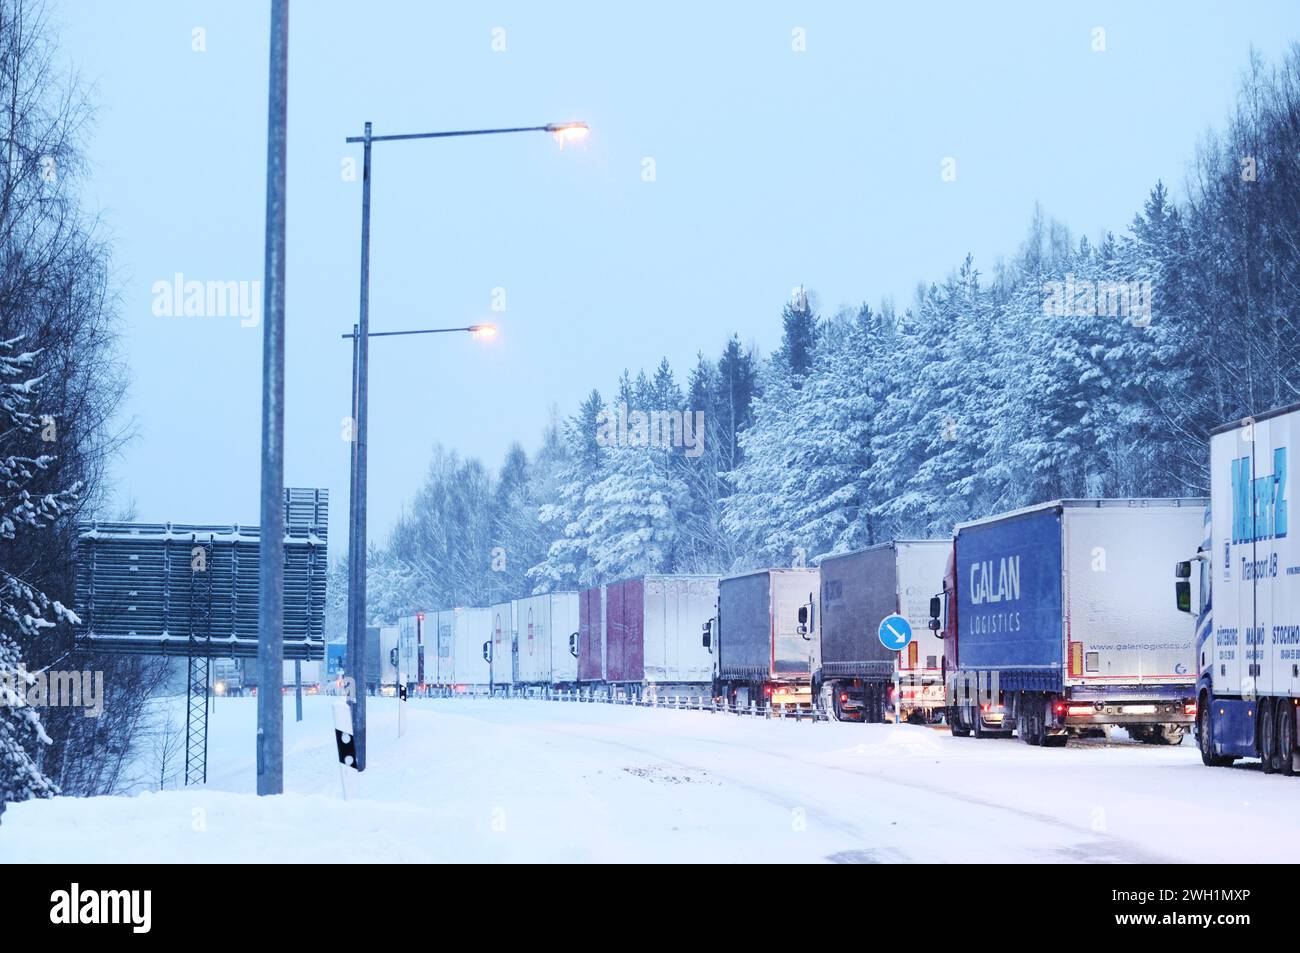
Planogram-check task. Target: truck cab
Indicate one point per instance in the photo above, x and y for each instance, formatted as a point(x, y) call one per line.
point(968, 706)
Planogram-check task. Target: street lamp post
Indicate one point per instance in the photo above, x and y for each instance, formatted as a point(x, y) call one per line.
point(563, 132)
point(356, 548)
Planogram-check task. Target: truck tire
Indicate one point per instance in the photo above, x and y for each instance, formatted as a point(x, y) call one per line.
point(955, 724)
point(1027, 727)
point(1205, 737)
point(1268, 735)
point(1169, 734)
point(1286, 747)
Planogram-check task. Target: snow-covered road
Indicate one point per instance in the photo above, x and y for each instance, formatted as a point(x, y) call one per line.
point(498, 780)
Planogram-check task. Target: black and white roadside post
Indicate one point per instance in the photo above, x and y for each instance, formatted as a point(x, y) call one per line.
point(401, 706)
point(563, 132)
point(270, 640)
point(346, 743)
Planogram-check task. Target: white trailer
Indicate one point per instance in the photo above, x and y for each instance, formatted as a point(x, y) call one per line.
point(503, 646)
point(676, 609)
point(544, 625)
point(388, 637)
point(410, 648)
point(471, 629)
point(439, 649)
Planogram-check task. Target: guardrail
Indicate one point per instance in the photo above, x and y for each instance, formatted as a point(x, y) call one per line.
point(675, 702)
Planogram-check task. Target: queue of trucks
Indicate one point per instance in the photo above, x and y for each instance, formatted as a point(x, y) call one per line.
point(1045, 622)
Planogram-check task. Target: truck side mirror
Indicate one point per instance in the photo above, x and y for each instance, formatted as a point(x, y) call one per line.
point(573, 645)
point(1183, 570)
point(707, 640)
point(803, 615)
point(392, 657)
point(936, 606)
point(1183, 595)
point(487, 651)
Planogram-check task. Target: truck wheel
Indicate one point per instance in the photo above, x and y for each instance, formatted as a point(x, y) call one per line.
point(955, 724)
point(1170, 734)
point(1205, 737)
point(1286, 746)
point(1268, 736)
point(1025, 726)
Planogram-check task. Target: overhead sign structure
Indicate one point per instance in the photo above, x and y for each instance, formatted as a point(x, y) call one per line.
point(187, 589)
point(895, 632)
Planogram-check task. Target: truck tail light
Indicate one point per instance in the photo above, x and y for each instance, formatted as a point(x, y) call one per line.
point(1060, 707)
point(1079, 710)
point(1076, 659)
point(913, 653)
point(844, 696)
point(767, 689)
point(1189, 708)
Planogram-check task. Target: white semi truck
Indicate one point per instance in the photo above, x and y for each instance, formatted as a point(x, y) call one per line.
point(1248, 588)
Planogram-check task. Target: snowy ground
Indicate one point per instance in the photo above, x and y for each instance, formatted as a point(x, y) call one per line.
point(480, 780)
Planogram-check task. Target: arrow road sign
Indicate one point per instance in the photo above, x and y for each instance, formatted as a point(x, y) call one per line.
point(895, 632)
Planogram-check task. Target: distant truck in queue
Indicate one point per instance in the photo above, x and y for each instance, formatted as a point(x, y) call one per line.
point(228, 677)
point(1248, 597)
point(760, 637)
point(1052, 624)
point(852, 672)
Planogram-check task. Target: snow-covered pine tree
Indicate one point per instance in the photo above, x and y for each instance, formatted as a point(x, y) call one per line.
point(568, 563)
point(25, 611)
point(633, 513)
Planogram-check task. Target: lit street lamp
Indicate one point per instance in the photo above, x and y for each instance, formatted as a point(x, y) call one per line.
point(361, 334)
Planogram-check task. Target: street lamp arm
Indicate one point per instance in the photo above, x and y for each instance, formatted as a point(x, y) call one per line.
point(453, 134)
point(549, 127)
point(386, 334)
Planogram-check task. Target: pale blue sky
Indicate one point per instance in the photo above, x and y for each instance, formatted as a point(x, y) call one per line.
point(773, 168)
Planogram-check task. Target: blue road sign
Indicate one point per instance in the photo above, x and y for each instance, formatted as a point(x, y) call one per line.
point(895, 632)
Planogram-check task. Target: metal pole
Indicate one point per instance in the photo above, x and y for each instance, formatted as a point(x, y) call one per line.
point(297, 681)
point(357, 535)
point(270, 643)
point(356, 644)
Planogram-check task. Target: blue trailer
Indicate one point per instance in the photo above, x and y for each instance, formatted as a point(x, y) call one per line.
point(1057, 621)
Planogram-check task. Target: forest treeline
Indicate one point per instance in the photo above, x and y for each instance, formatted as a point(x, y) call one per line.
point(1073, 367)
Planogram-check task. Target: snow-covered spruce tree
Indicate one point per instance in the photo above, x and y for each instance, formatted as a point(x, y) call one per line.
point(24, 610)
point(568, 561)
